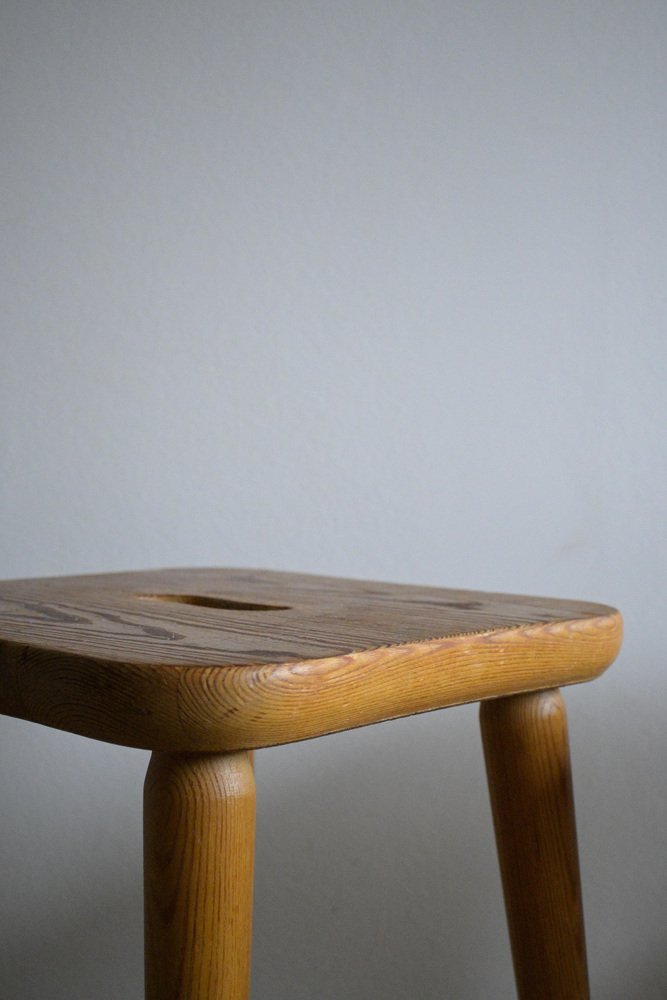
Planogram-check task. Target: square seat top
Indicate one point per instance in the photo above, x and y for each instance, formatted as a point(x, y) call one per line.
point(223, 659)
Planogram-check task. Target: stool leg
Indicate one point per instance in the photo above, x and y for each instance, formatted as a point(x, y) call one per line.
point(528, 768)
point(199, 830)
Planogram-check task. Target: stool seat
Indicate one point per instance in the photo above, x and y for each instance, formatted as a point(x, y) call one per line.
point(226, 659)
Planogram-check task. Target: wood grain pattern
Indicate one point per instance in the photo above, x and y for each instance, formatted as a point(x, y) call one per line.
point(192, 660)
point(528, 766)
point(199, 832)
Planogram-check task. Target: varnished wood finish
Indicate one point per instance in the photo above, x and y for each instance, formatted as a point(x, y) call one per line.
point(193, 660)
point(191, 663)
point(528, 767)
point(199, 831)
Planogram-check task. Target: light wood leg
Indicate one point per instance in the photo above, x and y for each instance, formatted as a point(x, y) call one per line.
point(528, 767)
point(199, 830)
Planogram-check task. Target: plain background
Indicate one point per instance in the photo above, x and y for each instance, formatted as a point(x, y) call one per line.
point(374, 289)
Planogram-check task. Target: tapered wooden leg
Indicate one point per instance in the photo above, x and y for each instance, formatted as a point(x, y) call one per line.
point(528, 768)
point(199, 831)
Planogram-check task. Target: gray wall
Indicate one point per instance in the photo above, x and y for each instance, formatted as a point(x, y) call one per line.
point(367, 288)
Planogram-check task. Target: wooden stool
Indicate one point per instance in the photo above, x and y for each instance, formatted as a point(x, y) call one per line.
point(202, 666)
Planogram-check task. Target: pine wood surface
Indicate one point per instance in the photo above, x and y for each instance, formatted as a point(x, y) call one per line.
point(528, 766)
point(199, 837)
point(223, 659)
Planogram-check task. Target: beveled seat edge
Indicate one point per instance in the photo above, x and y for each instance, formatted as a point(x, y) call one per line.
point(208, 708)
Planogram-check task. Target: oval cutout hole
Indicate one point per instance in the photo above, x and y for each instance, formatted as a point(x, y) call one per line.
point(220, 603)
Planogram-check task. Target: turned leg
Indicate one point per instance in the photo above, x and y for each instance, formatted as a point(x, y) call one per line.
point(199, 828)
point(530, 784)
